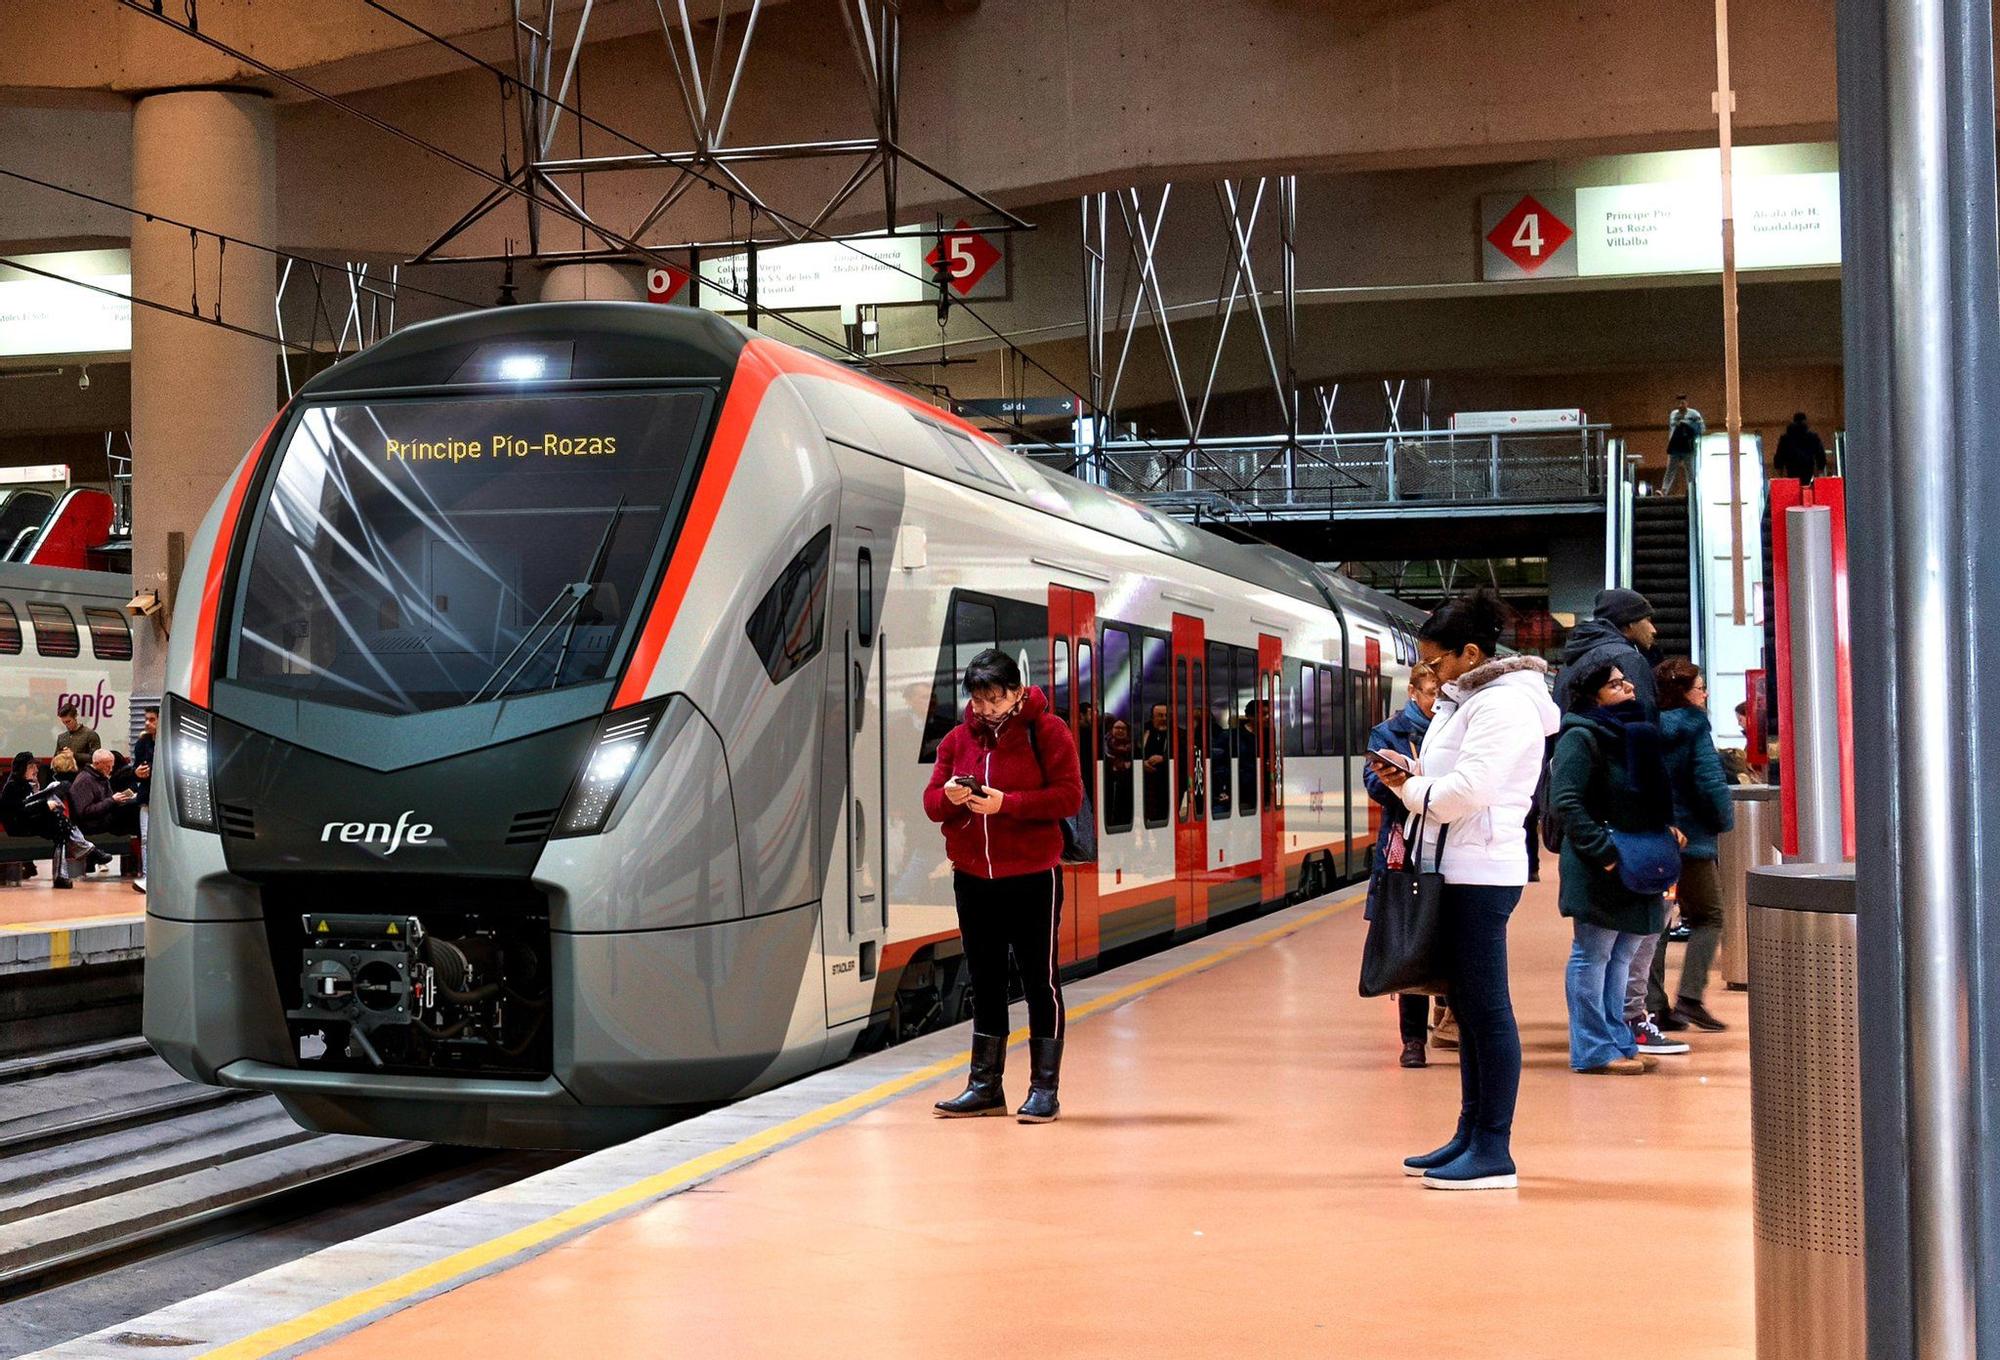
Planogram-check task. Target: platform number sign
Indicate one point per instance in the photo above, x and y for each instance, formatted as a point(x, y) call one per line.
point(664, 283)
point(963, 256)
point(1529, 238)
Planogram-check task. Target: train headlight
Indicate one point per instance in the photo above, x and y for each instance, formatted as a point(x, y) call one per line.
point(613, 755)
point(194, 794)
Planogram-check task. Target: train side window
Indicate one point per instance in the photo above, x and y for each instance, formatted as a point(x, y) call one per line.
point(1331, 715)
point(1086, 718)
point(1181, 735)
point(1249, 719)
point(55, 630)
point(10, 630)
point(1309, 710)
point(788, 625)
point(1120, 734)
point(1197, 766)
point(1288, 705)
point(110, 638)
point(864, 598)
point(973, 630)
point(1221, 732)
point(1059, 677)
point(1155, 738)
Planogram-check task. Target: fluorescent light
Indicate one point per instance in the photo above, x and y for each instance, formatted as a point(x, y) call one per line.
point(523, 367)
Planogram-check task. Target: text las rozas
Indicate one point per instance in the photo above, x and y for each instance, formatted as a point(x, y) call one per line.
point(500, 447)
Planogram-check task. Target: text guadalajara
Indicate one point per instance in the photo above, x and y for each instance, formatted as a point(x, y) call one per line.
point(499, 446)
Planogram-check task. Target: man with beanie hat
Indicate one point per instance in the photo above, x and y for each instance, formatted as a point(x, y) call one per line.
point(1618, 631)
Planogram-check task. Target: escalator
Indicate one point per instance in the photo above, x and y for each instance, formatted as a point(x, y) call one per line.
point(1660, 569)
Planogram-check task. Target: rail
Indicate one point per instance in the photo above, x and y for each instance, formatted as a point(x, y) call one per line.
point(1317, 473)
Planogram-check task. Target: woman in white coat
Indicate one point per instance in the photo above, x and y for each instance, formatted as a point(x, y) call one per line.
point(1479, 766)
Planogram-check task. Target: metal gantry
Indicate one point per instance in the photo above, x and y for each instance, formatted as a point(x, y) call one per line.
point(549, 39)
point(368, 316)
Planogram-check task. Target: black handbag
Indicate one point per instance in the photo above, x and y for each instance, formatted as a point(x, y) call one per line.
point(1405, 947)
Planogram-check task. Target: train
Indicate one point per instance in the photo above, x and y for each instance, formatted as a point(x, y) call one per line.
point(65, 638)
point(546, 725)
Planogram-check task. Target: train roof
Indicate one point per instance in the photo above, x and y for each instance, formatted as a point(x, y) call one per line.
point(20, 578)
point(637, 341)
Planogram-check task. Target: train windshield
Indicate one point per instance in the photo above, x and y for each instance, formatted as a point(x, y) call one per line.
point(416, 555)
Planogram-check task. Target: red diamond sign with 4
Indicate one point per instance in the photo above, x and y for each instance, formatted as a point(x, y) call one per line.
point(968, 255)
point(1529, 234)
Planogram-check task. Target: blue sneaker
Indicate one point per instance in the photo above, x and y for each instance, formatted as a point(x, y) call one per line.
point(1485, 1164)
point(1418, 1165)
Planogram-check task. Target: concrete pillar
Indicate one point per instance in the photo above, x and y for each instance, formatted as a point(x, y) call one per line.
point(592, 283)
point(200, 394)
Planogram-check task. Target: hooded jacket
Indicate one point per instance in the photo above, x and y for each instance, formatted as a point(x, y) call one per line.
point(1594, 643)
point(1702, 806)
point(1482, 759)
point(1594, 794)
point(1025, 836)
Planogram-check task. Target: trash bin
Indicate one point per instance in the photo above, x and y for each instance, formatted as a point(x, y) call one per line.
point(1752, 842)
point(1805, 1113)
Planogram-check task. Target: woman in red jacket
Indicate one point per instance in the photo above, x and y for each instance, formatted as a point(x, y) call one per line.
point(1004, 781)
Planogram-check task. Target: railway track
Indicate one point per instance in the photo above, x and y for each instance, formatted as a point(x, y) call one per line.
point(107, 1156)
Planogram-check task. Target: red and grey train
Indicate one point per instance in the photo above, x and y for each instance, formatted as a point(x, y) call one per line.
point(547, 727)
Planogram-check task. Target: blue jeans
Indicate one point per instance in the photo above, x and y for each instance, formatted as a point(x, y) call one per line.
point(1489, 1043)
point(1599, 960)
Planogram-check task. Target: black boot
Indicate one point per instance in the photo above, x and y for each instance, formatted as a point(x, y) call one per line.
point(982, 1093)
point(1044, 1069)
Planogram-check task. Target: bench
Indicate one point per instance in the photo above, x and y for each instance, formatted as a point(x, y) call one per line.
point(16, 851)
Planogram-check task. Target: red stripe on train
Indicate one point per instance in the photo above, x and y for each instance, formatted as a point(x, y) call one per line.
point(201, 669)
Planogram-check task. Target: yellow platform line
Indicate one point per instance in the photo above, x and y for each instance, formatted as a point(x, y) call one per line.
point(469, 1260)
point(74, 923)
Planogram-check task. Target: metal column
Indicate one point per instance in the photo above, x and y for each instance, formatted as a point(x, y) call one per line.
point(1921, 314)
point(1813, 763)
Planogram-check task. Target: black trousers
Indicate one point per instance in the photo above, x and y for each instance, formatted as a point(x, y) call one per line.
point(1018, 914)
point(1414, 1010)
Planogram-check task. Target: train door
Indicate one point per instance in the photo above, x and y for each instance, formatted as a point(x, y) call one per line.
point(1073, 688)
point(1365, 702)
point(1190, 711)
point(1349, 820)
point(1269, 735)
point(854, 916)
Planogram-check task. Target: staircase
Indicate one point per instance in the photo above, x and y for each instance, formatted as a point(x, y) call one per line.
point(1660, 568)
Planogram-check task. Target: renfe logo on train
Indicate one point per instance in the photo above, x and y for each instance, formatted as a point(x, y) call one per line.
point(379, 833)
point(89, 707)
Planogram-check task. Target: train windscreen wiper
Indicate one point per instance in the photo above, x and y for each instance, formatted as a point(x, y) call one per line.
point(565, 607)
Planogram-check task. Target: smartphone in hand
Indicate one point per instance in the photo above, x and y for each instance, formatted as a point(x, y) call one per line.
point(1395, 760)
point(970, 784)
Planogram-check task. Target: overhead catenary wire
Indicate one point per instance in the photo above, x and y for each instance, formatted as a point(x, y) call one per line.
point(259, 246)
point(803, 229)
point(559, 207)
point(192, 313)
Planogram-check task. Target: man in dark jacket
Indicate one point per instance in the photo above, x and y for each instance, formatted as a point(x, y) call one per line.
point(101, 808)
point(1801, 453)
point(1618, 632)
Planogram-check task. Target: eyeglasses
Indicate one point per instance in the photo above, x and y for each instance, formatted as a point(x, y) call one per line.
point(1620, 683)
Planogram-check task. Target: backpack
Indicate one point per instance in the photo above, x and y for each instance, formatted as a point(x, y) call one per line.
point(1551, 827)
point(1080, 831)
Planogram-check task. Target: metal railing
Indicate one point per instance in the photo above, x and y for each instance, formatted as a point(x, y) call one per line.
point(1318, 473)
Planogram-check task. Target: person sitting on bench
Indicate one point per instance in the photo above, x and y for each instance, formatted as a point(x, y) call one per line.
point(33, 806)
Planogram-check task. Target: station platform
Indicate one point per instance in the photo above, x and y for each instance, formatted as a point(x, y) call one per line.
point(1224, 1180)
point(100, 920)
